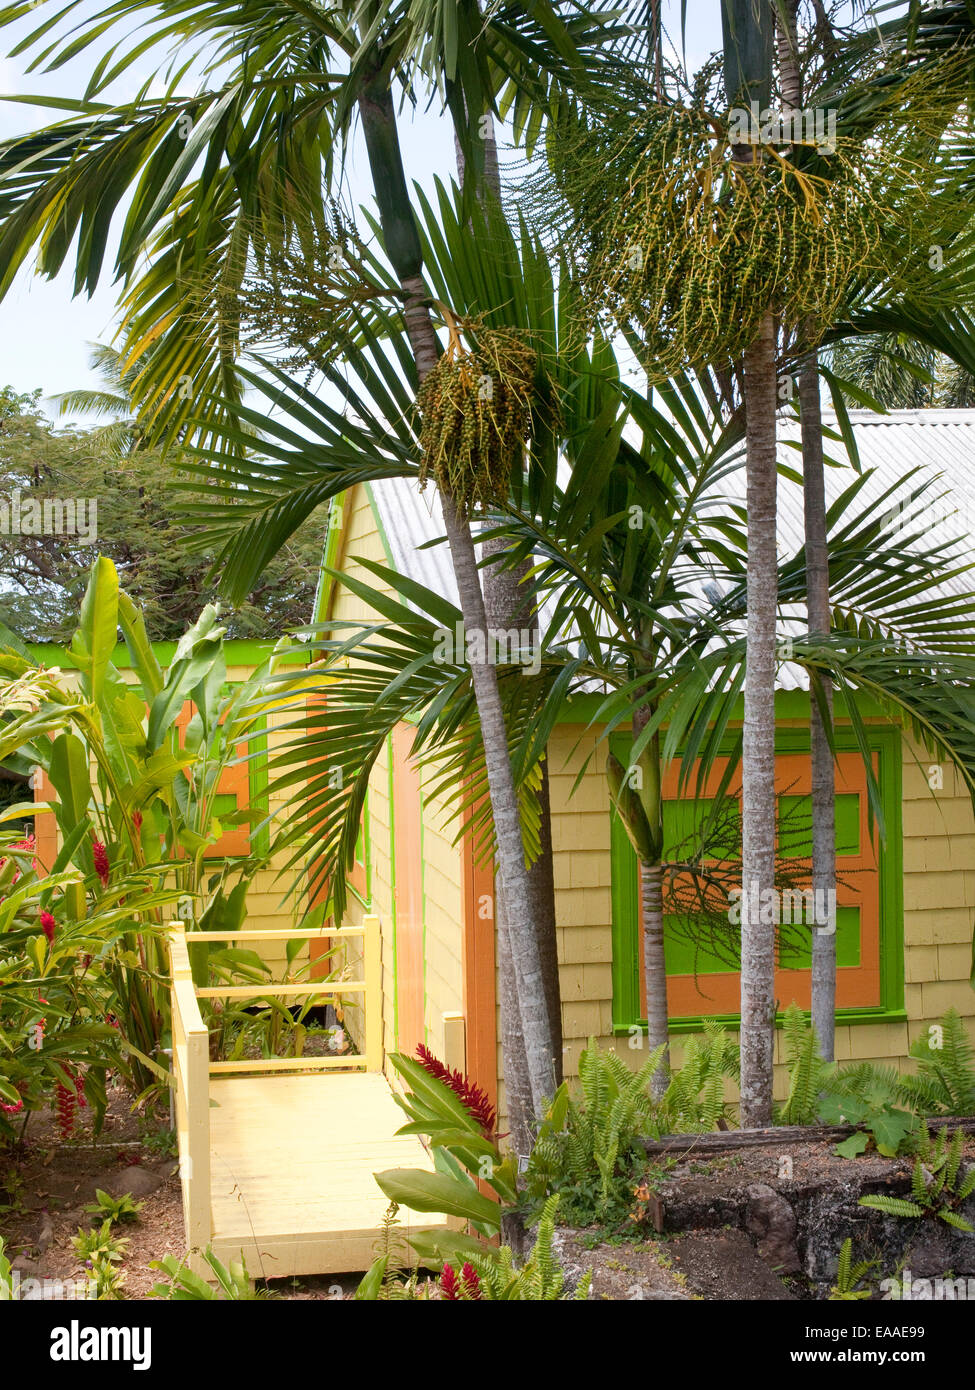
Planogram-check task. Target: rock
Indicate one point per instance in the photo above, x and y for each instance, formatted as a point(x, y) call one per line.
point(45, 1234)
point(138, 1181)
point(771, 1220)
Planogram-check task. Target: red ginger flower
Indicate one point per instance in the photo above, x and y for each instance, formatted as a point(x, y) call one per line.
point(471, 1281)
point(450, 1285)
point(100, 855)
point(14, 1109)
point(471, 1097)
point(137, 819)
point(48, 926)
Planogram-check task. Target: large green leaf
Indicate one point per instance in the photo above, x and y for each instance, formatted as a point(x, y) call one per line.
point(424, 1191)
point(94, 642)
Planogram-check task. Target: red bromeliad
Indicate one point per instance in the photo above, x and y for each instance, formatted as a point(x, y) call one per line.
point(473, 1099)
point(100, 856)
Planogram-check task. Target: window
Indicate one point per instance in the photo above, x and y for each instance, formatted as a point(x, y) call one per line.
point(704, 982)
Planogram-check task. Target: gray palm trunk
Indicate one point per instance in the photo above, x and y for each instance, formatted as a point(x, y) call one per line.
point(758, 745)
point(820, 752)
point(509, 598)
point(403, 247)
point(510, 603)
point(655, 969)
point(818, 620)
point(652, 905)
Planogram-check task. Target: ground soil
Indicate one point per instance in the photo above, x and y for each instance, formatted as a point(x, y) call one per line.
point(47, 1181)
point(703, 1249)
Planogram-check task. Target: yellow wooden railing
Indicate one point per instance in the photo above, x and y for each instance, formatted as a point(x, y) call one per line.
point(191, 1043)
point(191, 1062)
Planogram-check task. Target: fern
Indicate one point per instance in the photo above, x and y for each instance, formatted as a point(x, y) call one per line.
point(935, 1187)
point(849, 1276)
point(808, 1073)
point(539, 1280)
point(587, 1148)
point(893, 1206)
point(694, 1101)
point(946, 1081)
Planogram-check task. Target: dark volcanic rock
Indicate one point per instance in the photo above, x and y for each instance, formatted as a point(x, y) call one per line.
point(771, 1220)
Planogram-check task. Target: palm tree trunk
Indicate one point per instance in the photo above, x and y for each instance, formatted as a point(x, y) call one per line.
point(818, 621)
point(820, 753)
point(758, 747)
point(655, 969)
point(509, 598)
point(403, 247)
point(517, 1084)
point(652, 905)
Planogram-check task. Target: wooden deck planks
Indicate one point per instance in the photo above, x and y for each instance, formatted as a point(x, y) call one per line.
point(292, 1164)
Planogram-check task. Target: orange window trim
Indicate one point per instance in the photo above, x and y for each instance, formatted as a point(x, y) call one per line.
point(856, 986)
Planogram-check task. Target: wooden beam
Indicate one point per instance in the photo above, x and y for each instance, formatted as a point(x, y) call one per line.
point(778, 1136)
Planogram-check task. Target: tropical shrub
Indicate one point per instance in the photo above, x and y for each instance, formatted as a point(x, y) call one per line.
point(485, 1275)
point(231, 1283)
point(459, 1122)
point(588, 1150)
point(134, 795)
point(63, 936)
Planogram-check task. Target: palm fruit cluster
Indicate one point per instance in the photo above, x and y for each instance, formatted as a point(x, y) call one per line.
point(673, 234)
point(475, 409)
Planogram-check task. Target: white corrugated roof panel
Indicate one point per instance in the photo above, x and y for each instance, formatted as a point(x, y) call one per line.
point(938, 443)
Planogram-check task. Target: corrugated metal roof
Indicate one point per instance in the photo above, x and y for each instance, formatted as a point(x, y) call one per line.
point(938, 443)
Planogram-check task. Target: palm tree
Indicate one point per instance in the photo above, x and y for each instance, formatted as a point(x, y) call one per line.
point(290, 80)
point(608, 584)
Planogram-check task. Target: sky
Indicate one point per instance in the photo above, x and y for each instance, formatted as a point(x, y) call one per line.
point(45, 330)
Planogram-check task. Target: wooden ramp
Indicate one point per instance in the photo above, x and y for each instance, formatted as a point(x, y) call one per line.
point(277, 1157)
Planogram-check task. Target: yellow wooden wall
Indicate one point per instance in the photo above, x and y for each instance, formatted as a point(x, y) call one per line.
point(939, 899)
point(360, 537)
point(443, 911)
point(442, 873)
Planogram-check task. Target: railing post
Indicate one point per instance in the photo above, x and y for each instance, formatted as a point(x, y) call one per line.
point(373, 978)
point(191, 1071)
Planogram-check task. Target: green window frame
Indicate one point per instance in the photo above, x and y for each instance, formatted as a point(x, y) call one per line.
point(885, 742)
